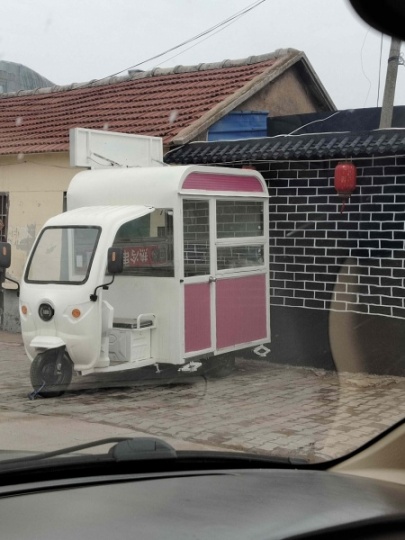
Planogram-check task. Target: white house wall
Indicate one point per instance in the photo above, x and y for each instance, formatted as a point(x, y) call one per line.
point(35, 185)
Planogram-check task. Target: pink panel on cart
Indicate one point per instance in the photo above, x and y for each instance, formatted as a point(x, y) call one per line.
point(241, 310)
point(220, 182)
point(197, 312)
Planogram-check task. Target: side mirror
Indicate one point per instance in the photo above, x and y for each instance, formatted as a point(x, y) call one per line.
point(115, 260)
point(115, 265)
point(5, 261)
point(5, 255)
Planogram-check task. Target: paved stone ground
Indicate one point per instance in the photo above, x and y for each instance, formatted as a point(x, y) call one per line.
point(261, 407)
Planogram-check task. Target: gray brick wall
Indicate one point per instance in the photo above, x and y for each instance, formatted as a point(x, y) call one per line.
point(323, 259)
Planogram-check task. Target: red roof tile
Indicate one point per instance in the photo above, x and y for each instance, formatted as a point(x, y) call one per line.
point(161, 103)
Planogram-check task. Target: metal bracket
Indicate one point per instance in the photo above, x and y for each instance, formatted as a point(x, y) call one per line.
point(399, 59)
point(261, 351)
point(191, 367)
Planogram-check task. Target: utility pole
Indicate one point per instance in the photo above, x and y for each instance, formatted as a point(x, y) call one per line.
point(390, 83)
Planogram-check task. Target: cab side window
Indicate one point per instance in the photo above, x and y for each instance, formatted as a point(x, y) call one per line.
point(147, 243)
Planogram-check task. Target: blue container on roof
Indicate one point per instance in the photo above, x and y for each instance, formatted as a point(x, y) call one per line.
point(239, 125)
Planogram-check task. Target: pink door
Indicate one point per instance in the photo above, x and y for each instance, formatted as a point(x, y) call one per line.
point(226, 301)
point(197, 311)
point(241, 310)
point(198, 293)
point(241, 296)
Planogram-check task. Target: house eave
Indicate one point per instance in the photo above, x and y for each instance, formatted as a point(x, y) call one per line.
point(230, 103)
point(250, 89)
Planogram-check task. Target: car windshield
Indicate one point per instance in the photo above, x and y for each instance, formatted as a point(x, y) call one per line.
point(257, 305)
point(63, 255)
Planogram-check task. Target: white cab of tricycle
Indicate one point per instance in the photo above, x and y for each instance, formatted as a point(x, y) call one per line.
point(194, 281)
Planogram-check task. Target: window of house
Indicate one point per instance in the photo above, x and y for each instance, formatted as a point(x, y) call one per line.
point(3, 216)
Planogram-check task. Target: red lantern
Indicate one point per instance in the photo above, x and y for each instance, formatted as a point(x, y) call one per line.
point(345, 181)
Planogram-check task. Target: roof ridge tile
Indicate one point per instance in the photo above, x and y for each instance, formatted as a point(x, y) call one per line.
point(333, 145)
point(176, 107)
point(157, 72)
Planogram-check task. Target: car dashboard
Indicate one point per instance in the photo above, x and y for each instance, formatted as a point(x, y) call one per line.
point(235, 504)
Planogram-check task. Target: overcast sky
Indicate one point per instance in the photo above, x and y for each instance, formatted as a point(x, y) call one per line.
point(79, 40)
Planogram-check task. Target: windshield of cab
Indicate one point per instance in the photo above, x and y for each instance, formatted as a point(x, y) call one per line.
point(63, 255)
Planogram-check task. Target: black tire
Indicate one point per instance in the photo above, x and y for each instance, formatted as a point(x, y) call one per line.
point(218, 367)
point(51, 373)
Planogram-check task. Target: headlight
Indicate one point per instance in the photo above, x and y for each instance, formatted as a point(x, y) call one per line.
point(46, 312)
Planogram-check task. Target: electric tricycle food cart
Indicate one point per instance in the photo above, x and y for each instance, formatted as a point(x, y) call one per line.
point(147, 267)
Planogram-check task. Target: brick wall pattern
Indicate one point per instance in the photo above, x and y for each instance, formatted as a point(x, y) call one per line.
point(321, 258)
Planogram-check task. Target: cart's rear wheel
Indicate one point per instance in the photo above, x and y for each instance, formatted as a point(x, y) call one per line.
point(51, 373)
point(218, 367)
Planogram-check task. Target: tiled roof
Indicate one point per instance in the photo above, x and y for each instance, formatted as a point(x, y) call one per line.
point(292, 147)
point(166, 103)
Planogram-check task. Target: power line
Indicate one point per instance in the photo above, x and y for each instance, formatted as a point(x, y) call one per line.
point(379, 68)
point(362, 67)
point(195, 44)
point(204, 33)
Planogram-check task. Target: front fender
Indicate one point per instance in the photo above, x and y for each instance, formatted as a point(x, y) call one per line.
point(47, 342)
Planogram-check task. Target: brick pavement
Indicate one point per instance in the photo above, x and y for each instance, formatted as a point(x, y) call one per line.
point(262, 407)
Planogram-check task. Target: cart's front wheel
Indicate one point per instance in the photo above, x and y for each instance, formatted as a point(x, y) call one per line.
point(217, 367)
point(51, 373)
